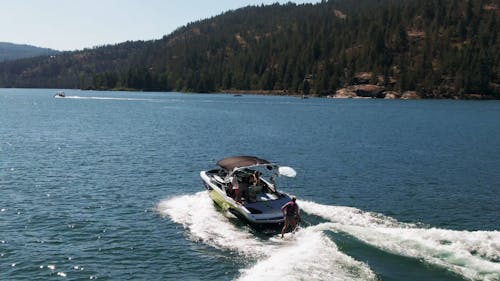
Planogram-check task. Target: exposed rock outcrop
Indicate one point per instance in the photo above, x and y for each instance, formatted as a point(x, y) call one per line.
point(344, 93)
point(361, 91)
point(369, 91)
point(410, 95)
point(339, 14)
point(372, 91)
point(392, 95)
point(362, 78)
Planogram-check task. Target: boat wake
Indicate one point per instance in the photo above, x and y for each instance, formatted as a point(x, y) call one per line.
point(472, 254)
point(199, 217)
point(311, 255)
point(103, 98)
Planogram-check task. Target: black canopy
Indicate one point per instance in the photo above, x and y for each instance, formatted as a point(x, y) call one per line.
point(240, 161)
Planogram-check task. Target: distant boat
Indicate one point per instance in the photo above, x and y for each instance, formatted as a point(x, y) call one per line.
point(304, 97)
point(237, 95)
point(60, 95)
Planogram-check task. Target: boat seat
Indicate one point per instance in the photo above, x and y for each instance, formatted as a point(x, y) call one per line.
point(219, 179)
point(253, 191)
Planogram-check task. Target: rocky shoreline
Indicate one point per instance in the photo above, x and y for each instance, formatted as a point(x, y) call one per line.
point(372, 92)
point(365, 91)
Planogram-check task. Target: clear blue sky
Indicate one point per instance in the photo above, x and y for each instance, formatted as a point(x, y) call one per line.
point(78, 24)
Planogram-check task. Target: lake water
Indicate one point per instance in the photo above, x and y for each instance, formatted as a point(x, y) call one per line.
point(105, 185)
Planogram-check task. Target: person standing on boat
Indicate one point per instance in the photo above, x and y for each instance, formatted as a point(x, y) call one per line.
point(236, 189)
point(255, 178)
point(291, 215)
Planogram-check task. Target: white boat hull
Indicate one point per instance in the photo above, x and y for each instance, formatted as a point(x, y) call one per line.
point(265, 211)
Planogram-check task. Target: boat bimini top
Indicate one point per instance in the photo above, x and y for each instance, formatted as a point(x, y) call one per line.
point(238, 163)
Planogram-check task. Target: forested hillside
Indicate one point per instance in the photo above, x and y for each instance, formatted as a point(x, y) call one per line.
point(10, 51)
point(438, 48)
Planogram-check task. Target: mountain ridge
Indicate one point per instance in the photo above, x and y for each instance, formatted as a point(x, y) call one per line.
point(438, 49)
point(13, 51)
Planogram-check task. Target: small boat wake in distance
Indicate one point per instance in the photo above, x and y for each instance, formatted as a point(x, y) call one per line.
point(60, 95)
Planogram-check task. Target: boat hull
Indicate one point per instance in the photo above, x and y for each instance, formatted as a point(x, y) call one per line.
point(267, 213)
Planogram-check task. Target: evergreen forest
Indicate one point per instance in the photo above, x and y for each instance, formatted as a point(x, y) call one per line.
point(436, 48)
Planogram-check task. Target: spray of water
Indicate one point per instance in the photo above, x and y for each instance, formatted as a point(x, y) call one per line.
point(473, 254)
point(311, 255)
point(204, 223)
point(308, 255)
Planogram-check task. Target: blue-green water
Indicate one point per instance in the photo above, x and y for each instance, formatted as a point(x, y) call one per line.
point(105, 185)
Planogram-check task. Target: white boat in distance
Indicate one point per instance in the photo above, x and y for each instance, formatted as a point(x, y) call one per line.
point(258, 203)
point(60, 95)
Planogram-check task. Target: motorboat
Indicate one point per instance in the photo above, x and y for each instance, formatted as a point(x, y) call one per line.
point(257, 202)
point(60, 95)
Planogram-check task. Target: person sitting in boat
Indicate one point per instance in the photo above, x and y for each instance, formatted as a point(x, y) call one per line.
point(291, 215)
point(255, 188)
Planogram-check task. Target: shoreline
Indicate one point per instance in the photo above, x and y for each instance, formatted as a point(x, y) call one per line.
point(350, 92)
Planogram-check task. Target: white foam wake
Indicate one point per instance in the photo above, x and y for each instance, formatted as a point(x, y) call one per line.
point(198, 215)
point(473, 254)
point(308, 255)
point(103, 98)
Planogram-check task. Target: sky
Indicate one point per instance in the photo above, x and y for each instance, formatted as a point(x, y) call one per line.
point(68, 25)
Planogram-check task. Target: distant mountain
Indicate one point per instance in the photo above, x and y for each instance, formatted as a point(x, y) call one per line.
point(10, 51)
point(404, 48)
